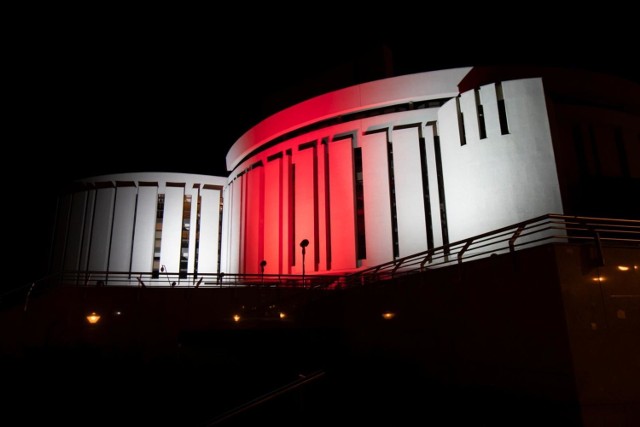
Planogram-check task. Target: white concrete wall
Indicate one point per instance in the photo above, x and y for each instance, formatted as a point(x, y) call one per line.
point(342, 205)
point(227, 219)
point(502, 179)
point(273, 206)
point(376, 94)
point(172, 229)
point(101, 231)
point(412, 232)
point(253, 220)
point(209, 230)
point(122, 229)
point(110, 225)
point(487, 183)
point(88, 226)
point(434, 196)
point(375, 181)
point(235, 237)
point(145, 225)
point(304, 208)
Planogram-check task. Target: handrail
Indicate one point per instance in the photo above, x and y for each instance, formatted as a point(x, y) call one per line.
point(302, 380)
point(535, 231)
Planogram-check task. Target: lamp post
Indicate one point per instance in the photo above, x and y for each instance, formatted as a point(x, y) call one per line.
point(303, 244)
point(263, 264)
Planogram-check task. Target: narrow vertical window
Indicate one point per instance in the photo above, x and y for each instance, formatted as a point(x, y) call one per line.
point(425, 191)
point(292, 210)
point(443, 205)
point(502, 111)
point(186, 231)
point(463, 134)
point(482, 128)
point(133, 232)
point(158, 236)
point(197, 242)
point(392, 198)
point(360, 229)
point(220, 211)
point(327, 201)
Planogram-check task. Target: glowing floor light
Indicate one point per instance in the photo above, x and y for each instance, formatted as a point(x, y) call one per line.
point(388, 315)
point(236, 317)
point(93, 318)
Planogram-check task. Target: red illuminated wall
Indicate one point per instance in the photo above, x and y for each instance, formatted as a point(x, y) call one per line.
point(386, 169)
point(306, 186)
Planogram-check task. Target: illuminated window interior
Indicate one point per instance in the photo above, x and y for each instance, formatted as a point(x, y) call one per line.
point(158, 236)
point(197, 243)
point(186, 231)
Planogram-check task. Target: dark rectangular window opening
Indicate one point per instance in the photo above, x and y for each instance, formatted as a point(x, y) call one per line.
point(360, 226)
point(327, 201)
point(133, 234)
point(425, 192)
point(502, 111)
point(392, 199)
point(316, 213)
point(292, 212)
point(482, 128)
point(461, 131)
point(443, 205)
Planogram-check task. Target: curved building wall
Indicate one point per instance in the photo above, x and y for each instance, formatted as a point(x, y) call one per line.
point(387, 169)
point(149, 224)
point(369, 174)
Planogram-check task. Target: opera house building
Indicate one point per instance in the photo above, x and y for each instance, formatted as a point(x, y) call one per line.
point(472, 233)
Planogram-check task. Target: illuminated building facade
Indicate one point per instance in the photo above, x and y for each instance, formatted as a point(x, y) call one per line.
point(371, 173)
point(385, 169)
point(140, 223)
point(367, 175)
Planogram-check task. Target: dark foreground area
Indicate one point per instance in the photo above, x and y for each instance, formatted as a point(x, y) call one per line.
point(250, 380)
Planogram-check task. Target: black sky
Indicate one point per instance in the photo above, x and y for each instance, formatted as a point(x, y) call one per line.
point(121, 92)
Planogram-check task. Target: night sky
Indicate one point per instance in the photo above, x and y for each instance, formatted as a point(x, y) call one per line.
point(125, 91)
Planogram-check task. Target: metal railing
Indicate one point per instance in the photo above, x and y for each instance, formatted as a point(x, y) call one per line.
point(194, 280)
point(550, 228)
point(302, 380)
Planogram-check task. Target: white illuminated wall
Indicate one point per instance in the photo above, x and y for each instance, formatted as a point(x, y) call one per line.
point(108, 227)
point(501, 179)
point(422, 186)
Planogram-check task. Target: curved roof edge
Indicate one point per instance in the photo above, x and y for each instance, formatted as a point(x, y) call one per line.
point(158, 176)
point(410, 87)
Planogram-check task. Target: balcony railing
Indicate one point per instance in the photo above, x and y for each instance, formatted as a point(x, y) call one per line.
point(550, 228)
